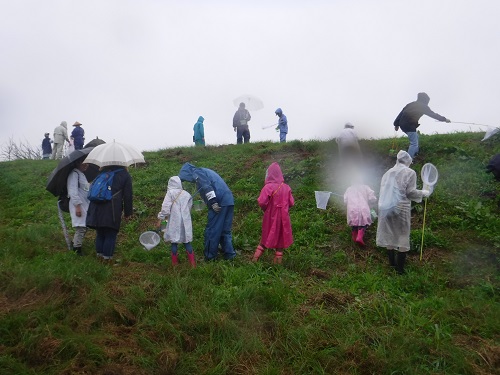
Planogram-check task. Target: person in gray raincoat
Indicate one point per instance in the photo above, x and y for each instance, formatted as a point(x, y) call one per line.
point(60, 136)
point(397, 189)
point(220, 202)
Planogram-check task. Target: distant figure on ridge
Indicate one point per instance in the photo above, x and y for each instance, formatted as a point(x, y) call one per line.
point(282, 124)
point(46, 147)
point(199, 132)
point(60, 135)
point(78, 135)
point(408, 118)
point(240, 124)
point(348, 144)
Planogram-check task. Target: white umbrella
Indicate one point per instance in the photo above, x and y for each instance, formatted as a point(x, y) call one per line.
point(252, 103)
point(114, 153)
point(490, 133)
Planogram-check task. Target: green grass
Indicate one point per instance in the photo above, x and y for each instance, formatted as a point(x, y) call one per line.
point(331, 308)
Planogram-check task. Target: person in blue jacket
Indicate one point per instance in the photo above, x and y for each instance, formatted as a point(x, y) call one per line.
point(282, 124)
point(78, 135)
point(220, 202)
point(199, 132)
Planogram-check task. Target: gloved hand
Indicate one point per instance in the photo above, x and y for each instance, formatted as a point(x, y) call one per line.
point(215, 206)
point(425, 193)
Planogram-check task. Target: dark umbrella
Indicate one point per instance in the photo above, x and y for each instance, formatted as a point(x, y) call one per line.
point(56, 183)
point(94, 142)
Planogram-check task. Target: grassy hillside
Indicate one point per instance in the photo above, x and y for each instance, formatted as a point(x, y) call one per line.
point(330, 308)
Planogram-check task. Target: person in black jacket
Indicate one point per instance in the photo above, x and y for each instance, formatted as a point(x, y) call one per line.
point(105, 217)
point(408, 118)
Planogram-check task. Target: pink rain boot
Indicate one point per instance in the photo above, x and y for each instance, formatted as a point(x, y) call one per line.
point(175, 260)
point(359, 238)
point(278, 257)
point(192, 261)
point(354, 234)
point(258, 252)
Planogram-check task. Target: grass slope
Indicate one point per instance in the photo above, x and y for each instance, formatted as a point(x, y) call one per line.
point(331, 308)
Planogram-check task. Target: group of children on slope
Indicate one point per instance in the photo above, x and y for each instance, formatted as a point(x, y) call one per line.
point(275, 199)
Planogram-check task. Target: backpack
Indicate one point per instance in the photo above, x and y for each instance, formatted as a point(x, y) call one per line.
point(63, 201)
point(100, 189)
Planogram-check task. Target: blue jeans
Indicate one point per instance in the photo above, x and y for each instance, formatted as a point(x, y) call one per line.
point(187, 245)
point(413, 149)
point(105, 241)
point(218, 231)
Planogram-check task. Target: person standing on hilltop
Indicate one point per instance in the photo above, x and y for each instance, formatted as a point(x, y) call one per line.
point(78, 135)
point(60, 135)
point(282, 125)
point(408, 118)
point(240, 124)
point(199, 132)
point(46, 146)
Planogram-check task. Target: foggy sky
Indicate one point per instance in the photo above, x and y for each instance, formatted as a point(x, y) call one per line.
point(141, 72)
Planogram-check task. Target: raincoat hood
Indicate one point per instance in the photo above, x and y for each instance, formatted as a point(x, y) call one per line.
point(186, 172)
point(404, 158)
point(274, 174)
point(64, 124)
point(200, 119)
point(174, 183)
point(423, 98)
point(279, 112)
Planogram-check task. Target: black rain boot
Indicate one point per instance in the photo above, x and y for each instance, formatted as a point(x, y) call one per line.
point(400, 262)
point(392, 258)
point(78, 250)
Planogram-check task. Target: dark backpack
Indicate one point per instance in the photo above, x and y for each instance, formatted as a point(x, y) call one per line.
point(100, 189)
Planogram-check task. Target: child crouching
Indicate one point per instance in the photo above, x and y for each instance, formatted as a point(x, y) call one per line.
point(176, 208)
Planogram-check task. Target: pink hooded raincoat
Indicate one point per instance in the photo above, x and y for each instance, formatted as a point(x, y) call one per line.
point(275, 199)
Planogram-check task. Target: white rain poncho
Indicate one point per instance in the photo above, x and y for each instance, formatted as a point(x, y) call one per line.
point(358, 198)
point(397, 189)
point(176, 208)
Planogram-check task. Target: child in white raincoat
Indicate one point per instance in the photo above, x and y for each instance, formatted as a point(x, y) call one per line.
point(397, 189)
point(78, 189)
point(358, 199)
point(176, 208)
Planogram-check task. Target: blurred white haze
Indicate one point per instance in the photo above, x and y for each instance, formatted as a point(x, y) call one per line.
point(141, 72)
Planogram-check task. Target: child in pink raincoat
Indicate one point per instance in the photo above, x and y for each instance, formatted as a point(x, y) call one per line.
point(275, 199)
point(358, 198)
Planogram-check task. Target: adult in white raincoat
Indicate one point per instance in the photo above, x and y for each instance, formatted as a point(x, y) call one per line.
point(397, 189)
point(176, 208)
point(78, 189)
point(348, 144)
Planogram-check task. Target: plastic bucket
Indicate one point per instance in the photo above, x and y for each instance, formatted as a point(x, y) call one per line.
point(198, 205)
point(322, 198)
point(149, 239)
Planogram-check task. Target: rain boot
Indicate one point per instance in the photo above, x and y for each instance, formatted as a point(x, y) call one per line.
point(361, 234)
point(354, 233)
point(175, 259)
point(400, 262)
point(192, 261)
point(278, 257)
point(258, 252)
point(392, 258)
point(78, 250)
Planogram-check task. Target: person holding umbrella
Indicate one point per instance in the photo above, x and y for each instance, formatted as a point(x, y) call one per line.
point(240, 124)
point(78, 188)
point(220, 202)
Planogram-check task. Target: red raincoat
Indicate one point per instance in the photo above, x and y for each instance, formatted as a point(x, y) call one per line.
point(275, 199)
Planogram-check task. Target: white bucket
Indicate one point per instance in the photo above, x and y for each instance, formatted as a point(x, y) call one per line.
point(322, 198)
point(149, 239)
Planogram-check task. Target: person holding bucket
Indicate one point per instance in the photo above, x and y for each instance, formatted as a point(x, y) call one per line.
point(275, 199)
point(176, 208)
